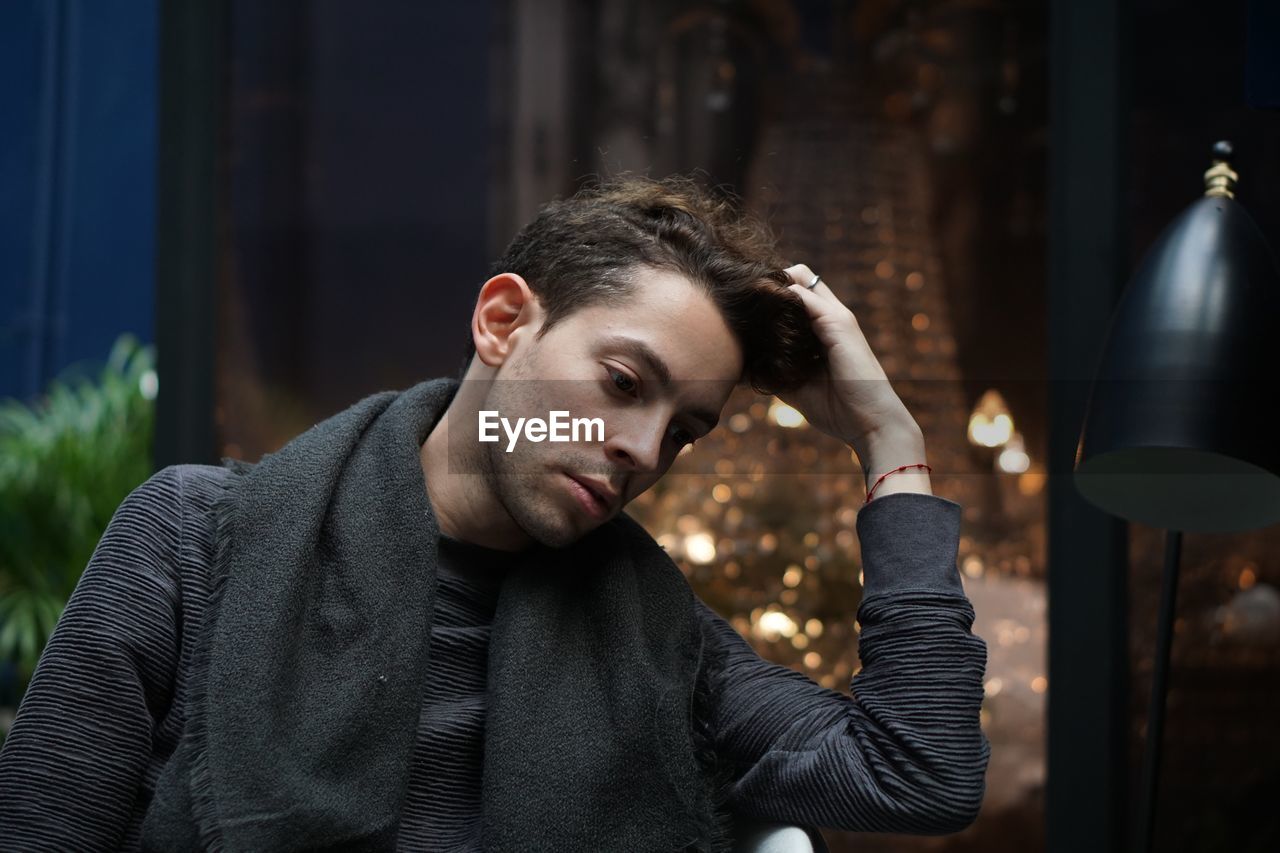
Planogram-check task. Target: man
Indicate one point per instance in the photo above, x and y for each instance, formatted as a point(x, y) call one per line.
point(396, 632)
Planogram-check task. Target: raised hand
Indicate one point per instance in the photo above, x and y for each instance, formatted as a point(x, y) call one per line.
point(852, 398)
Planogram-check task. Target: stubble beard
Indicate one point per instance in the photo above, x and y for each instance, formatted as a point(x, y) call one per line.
point(518, 486)
point(520, 480)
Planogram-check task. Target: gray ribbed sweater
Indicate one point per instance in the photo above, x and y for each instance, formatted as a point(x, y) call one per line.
point(105, 708)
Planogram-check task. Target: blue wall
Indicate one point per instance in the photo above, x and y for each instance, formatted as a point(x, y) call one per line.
point(77, 168)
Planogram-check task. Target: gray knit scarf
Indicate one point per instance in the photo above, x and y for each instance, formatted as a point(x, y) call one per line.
point(310, 673)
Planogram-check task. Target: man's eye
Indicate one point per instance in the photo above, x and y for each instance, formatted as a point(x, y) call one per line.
point(682, 437)
point(621, 381)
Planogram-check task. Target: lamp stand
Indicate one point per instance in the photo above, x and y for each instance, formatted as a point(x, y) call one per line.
point(1159, 688)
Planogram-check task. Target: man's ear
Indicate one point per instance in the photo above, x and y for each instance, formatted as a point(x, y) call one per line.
point(504, 305)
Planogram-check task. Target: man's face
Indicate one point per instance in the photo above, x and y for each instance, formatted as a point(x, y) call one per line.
point(609, 362)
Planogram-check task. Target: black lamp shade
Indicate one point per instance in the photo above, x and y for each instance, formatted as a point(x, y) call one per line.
point(1180, 430)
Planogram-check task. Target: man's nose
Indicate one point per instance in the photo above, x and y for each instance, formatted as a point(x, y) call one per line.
point(637, 444)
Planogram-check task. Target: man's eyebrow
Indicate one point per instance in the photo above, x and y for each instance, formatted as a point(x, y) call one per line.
point(641, 350)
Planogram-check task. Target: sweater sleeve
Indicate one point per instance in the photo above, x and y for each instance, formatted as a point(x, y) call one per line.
point(72, 765)
point(905, 753)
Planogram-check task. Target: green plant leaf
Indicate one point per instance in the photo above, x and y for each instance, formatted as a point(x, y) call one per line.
point(66, 462)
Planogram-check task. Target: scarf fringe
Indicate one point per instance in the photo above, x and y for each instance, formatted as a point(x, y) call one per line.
point(203, 804)
point(719, 774)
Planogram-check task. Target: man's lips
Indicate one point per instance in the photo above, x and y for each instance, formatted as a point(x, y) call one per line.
point(603, 495)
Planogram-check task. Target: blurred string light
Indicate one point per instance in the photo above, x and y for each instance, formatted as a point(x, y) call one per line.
point(772, 624)
point(1013, 459)
point(973, 566)
point(785, 416)
point(1032, 481)
point(700, 548)
point(990, 424)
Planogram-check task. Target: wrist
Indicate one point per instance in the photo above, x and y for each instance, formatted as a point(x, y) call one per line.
point(887, 451)
point(914, 480)
point(896, 438)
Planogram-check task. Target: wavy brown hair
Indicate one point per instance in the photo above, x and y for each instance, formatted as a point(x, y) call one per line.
point(582, 251)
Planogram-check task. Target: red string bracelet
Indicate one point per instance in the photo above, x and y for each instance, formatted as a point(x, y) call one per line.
point(894, 471)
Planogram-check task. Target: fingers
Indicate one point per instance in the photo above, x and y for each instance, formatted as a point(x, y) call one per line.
point(802, 275)
point(812, 304)
point(829, 317)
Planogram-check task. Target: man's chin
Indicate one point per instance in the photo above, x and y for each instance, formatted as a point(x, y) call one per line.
point(556, 529)
point(555, 537)
point(542, 509)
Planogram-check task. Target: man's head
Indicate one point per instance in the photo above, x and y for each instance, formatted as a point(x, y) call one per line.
point(584, 250)
point(639, 302)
